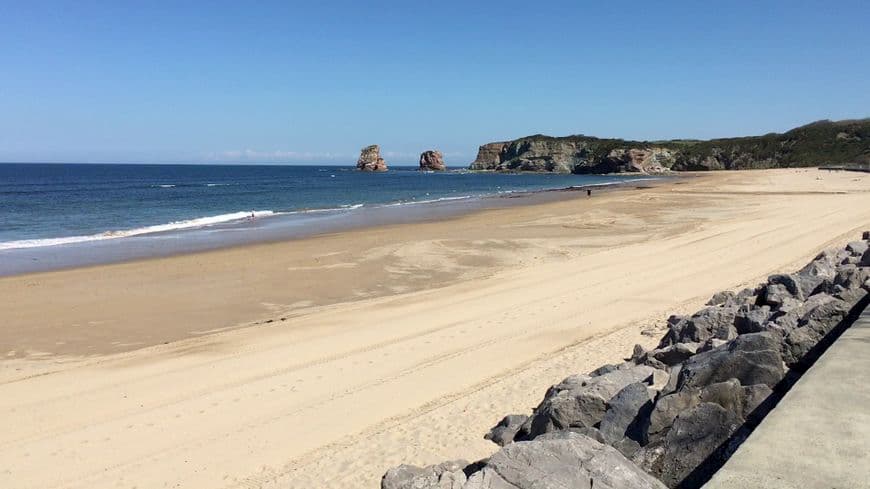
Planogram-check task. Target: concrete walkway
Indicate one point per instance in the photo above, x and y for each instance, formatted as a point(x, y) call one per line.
point(818, 437)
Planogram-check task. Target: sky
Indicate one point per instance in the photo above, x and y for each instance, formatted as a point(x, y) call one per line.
point(313, 82)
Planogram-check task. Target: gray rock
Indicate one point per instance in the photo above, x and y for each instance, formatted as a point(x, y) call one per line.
point(604, 369)
point(865, 236)
point(624, 413)
point(823, 268)
point(710, 322)
point(857, 248)
point(751, 319)
point(852, 276)
point(665, 411)
point(581, 401)
point(695, 436)
point(774, 295)
point(658, 380)
point(753, 397)
point(728, 394)
point(751, 358)
point(711, 344)
point(823, 316)
point(506, 429)
point(568, 433)
point(674, 354)
point(789, 282)
point(673, 377)
point(720, 298)
point(626, 446)
point(447, 475)
point(746, 296)
point(574, 461)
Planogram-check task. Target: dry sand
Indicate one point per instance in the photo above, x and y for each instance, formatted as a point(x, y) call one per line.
point(321, 362)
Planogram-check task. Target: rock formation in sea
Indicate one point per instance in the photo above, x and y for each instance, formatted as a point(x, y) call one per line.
point(670, 416)
point(432, 160)
point(820, 143)
point(370, 159)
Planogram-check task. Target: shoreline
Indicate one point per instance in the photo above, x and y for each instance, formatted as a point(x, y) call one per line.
point(275, 228)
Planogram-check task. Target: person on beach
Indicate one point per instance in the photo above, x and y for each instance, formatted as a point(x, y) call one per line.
point(588, 192)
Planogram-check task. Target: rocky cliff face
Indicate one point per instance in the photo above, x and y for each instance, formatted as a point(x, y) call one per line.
point(576, 154)
point(819, 143)
point(432, 161)
point(370, 159)
point(489, 156)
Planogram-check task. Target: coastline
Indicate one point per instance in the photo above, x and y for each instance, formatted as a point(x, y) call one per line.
point(159, 241)
point(323, 361)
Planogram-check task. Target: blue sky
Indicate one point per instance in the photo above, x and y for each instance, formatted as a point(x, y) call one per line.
point(314, 81)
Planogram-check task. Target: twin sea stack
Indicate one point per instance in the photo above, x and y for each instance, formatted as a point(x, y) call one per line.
point(370, 160)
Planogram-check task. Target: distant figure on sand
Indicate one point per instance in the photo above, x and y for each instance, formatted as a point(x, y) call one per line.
point(588, 192)
point(252, 215)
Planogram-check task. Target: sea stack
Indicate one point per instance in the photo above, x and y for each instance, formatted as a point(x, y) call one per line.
point(370, 159)
point(432, 160)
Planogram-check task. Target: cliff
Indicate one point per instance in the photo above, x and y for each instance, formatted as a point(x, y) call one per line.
point(820, 143)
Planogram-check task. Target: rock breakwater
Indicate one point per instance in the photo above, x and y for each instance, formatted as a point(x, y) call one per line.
point(670, 416)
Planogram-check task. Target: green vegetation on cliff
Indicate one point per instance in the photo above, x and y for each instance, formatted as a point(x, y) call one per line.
point(819, 143)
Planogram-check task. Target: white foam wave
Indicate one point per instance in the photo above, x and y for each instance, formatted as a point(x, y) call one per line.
point(164, 186)
point(429, 201)
point(172, 226)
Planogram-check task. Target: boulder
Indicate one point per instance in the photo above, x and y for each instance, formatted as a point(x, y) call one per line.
point(751, 359)
point(819, 319)
point(851, 276)
point(710, 322)
point(674, 354)
point(562, 434)
point(570, 461)
point(740, 400)
point(370, 159)
point(665, 411)
point(506, 429)
point(624, 413)
point(721, 298)
point(447, 475)
point(753, 397)
point(790, 284)
point(728, 394)
point(857, 248)
point(865, 259)
point(752, 319)
point(774, 295)
point(432, 161)
point(696, 435)
point(581, 401)
point(821, 269)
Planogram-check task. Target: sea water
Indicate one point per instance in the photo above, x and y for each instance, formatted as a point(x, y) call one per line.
point(49, 208)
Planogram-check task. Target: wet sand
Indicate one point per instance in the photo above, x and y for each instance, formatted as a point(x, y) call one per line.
point(321, 362)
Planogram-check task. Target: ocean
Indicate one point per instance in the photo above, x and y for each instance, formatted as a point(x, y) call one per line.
point(46, 209)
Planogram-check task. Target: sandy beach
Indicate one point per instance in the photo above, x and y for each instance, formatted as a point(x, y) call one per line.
point(321, 362)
